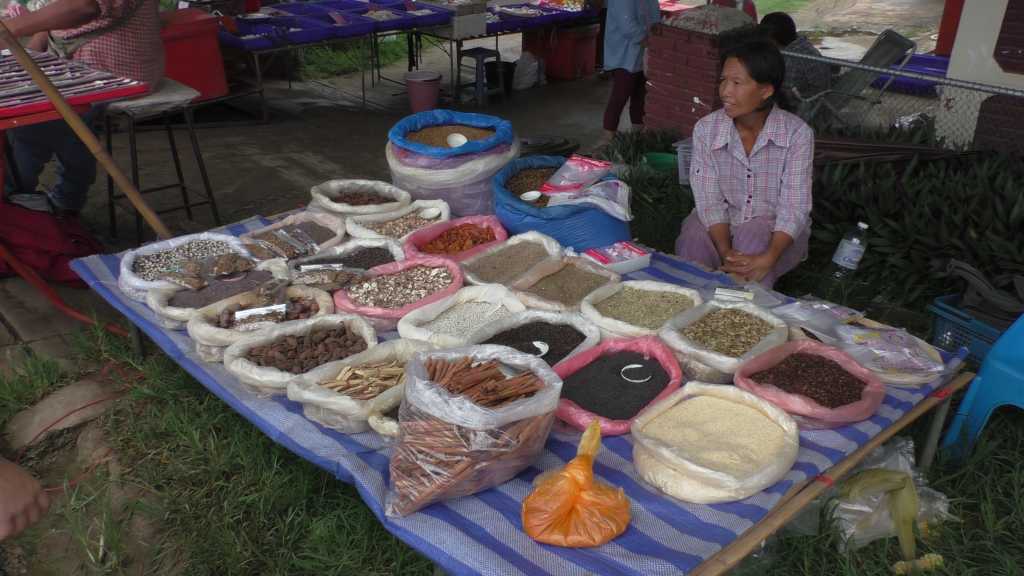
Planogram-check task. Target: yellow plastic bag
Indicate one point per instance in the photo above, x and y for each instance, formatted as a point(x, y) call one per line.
point(569, 508)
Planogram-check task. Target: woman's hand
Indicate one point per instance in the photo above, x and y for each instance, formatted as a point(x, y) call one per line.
point(752, 267)
point(22, 500)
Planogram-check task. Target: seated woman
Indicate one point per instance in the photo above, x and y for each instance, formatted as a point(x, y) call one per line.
point(750, 173)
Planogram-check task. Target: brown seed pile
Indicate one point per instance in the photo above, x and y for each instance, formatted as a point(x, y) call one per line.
point(816, 377)
point(297, 309)
point(568, 286)
point(438, 135)
point(529, 180)
point(300, 354)
point(367, 381)
point(326, 280)
point(400, 226)
point(728, 331)
point(508, 263)
point(400, 288)
point(361, 198)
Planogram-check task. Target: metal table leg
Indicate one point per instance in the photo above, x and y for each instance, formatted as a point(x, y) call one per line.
point(138, 342)
point(931, 444)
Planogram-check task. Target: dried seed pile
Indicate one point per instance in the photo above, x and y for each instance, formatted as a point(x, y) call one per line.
point(568, 286)
point(327, 280)
point(401, 288)
point(361, 198)
point(400, 226)
point(195, 274)
point(561, 339)
point(816, 377)
point(529, 180)
point(150, 267)
point(438, 135)
point(719, 434)
point(367, 258)
point(600, 387)
point(508, 263)
point(297, 309)
point(645, 308)
point(462, 319)
point(459, 239)
point(728, 331)
point(367, 381)
point(218, 289)
point(300, 354)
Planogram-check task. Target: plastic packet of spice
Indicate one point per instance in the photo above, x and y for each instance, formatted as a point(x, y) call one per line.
point(612, 196)
point(576, 174)
point(262, 315)
point(818, 317)
point(191, 282)
point(263, 250)
point(888, 350)
point(224, 265)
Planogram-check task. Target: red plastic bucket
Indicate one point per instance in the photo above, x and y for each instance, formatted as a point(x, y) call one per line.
point(424, 89)
point(192, 51)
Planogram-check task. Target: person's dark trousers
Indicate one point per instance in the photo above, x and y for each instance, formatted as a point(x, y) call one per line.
point(626, 86)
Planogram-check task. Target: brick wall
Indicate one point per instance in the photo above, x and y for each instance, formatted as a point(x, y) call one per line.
point(681, 65)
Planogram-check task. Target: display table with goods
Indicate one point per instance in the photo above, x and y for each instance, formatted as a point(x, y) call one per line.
point(666, 536)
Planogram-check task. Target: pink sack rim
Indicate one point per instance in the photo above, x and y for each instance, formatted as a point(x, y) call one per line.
point(815, 416)
point(572, 414)
point(343, 302)
point(423, 236)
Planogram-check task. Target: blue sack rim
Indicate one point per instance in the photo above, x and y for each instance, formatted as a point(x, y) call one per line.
point(502, 132)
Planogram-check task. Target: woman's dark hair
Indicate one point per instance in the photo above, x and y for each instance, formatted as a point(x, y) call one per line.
point(780, 27)
point(765, 64)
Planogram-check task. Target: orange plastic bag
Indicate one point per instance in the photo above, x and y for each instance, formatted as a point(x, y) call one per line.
point(569, 508)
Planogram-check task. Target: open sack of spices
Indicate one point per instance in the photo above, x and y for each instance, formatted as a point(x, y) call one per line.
point(341, 396)
point(352, 197)
point(448, 323)
point(149, 267)
point(231, 276)
point(335, 268)
point(389, 292)
point(450, 156)
point(399, 224)
point(637, 307)
point(715, 338)
point(296, 236)
point(271, 358)
point(472, 419)
point(506, 262)
point(456, 239)
point(820, 386)
point(561, 285)
point(707, 444)
point(550, 336)
point(217, 326)
point(616, 381)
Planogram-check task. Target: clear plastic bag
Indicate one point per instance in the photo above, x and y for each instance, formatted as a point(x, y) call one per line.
point(818, 317)
point(325, 197)
point(612, 196)
point(894, 355)
point(301, 243)
point(577, 174)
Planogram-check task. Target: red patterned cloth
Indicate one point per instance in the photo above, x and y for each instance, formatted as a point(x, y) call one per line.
point(774, 180)
point(132, 48)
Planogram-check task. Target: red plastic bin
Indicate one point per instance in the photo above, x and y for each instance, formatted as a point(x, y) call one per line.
point(192, 51)
point(568, 54)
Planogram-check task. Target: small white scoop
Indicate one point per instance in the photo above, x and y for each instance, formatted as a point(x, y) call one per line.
point(456, 140)
point(430, 213)
point(531, 196)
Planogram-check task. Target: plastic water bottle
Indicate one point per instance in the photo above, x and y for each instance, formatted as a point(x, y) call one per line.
point(844, 263)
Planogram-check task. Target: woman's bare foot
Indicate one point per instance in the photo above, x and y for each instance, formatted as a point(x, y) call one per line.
point(22, 499)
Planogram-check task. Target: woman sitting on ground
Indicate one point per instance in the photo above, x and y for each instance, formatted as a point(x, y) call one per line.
point(750, 173)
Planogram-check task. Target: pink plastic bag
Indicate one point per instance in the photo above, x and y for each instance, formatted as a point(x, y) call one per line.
point(386, 319)
point(808, 413)
point(576, 174)
point(571, 413)
point(424, 236)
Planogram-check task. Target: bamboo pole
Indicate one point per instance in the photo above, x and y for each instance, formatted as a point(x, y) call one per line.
point(83, 132)
point(727, 558)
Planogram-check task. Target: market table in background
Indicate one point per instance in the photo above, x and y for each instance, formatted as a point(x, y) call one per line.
point(482, 534)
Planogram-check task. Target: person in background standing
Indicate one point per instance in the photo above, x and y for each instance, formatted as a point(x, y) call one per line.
point(804, 78)
point(745, 5)
point(628, 24)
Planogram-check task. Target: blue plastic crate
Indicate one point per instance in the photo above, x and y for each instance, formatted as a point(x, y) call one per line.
point(273, 32)
point(953, 328)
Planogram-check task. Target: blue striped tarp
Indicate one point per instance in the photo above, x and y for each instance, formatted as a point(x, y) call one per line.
point(482, 534)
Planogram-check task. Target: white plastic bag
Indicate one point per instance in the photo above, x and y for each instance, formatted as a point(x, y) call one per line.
point(356, 225)
point(707, 365)
point(591, 334)
point(342, 412)
point(668, 467)
point(818, 317)
point(273, 381)
point(211, 340)
point(612, 196)
point(325, 195)
point(612, 328)
point(576, 174)
point(466, 187)
point(333, 223)
point(548, 267)
point(527, 74)
point(414, 325)
point(136, 288)
point(550, 245)
point(895, 356)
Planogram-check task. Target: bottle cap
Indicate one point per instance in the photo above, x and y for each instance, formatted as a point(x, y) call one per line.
point(862, 225)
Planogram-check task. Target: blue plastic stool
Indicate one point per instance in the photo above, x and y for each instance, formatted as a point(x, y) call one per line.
point(1000, 382)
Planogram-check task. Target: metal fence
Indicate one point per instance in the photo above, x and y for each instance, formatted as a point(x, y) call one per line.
point(945, 111)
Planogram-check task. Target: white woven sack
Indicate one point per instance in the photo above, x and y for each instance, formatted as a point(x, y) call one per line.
point(612, 328)
point(550, 245)
point(591, 333)
point(413, 324)
point(353, 245)
point(325, 193)
point(707, 366)
point(269, 380)
point(332, 222)
point(338, 411)
point(378, 419)
point(356, 224)
point(668, 469)
point(549, 267)
point(210, 340)
point(136, 288)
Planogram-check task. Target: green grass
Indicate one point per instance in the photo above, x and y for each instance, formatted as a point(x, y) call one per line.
point(789, 6)
point(329, 61)
point(34, 378)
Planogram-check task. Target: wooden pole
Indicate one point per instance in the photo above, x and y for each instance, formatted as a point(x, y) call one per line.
point(83, 132)
point(727, 558)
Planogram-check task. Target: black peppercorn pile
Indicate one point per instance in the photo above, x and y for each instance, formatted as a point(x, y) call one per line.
point(816, 377)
